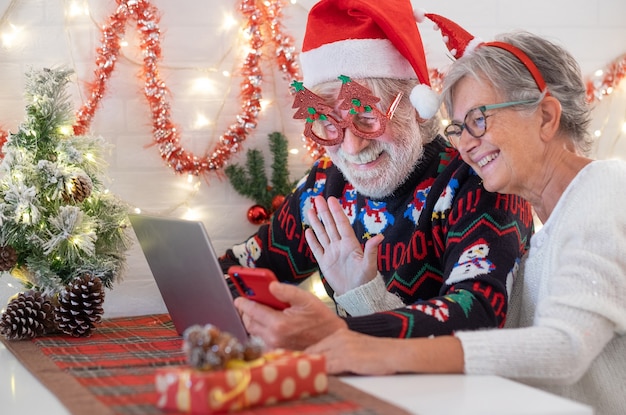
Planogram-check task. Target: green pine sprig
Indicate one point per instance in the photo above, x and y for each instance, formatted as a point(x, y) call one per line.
point(252, 180)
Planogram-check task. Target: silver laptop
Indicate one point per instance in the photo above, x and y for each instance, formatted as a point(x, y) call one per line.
point(187, 273)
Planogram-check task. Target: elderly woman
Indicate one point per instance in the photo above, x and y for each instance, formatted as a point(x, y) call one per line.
point(519, 119)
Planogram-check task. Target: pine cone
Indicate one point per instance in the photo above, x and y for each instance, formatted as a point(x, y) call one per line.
point(253, 349)
point(80, 306)
point(80, 189)
point(28, 315)
point(208, 348)
point(8, 257)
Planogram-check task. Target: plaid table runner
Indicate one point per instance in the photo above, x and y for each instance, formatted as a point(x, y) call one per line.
point(112, 372)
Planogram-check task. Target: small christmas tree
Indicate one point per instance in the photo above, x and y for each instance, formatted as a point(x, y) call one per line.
point(60, 227)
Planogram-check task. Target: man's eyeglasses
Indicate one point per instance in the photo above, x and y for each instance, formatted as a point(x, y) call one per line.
point(326, 128)
point(475, 122)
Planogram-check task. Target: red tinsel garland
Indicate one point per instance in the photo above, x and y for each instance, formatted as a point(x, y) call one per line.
point(262, 20)
point(599, 86)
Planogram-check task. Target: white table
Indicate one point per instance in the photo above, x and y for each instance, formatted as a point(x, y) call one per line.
point(21, 393)
point(466, 395)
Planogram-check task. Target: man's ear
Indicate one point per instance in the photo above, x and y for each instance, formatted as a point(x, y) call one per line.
point(550, 108)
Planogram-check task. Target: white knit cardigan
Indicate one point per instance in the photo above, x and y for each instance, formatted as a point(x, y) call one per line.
point(567, 317)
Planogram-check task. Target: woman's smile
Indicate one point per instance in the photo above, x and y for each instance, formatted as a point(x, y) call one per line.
point(483, 161)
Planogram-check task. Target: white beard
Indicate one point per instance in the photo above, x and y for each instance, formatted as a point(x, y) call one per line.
point(397, 163)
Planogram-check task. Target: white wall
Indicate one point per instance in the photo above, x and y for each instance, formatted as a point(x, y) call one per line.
point(194, 45)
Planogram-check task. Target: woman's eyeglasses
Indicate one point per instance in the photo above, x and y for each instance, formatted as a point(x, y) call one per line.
point(326, 128)
point(475, 122)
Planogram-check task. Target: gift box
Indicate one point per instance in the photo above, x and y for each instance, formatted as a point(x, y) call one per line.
point(276, 376)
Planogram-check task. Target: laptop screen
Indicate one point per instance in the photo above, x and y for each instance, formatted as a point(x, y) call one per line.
point(187, 272)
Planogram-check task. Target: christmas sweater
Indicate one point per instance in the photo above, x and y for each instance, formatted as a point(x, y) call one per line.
point(450, 248)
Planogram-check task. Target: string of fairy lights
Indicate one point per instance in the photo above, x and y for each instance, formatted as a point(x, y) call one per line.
point(261, 34)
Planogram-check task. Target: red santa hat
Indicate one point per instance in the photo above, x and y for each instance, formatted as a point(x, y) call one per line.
point(460, 42)
point(367, 39)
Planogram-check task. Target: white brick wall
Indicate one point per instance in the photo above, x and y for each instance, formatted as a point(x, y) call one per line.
point(594, 30)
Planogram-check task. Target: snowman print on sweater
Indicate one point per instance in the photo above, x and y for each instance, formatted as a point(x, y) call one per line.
point(375, 217)
point(248, 252)
point(307, 196)
point(415, 208)
point(348, 202)
point(472, 262)
point(444, 203)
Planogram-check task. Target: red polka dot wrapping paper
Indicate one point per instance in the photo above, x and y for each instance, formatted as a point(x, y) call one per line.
point(283, 376)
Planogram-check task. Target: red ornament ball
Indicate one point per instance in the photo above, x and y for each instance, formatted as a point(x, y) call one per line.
point(277, 201)
point(257, 215)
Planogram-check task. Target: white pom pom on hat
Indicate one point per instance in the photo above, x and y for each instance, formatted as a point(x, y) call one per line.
point(425, 100)
point(419, 15)
point(458, 41)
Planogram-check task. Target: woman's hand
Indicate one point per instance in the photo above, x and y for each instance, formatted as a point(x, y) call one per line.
point(342, 260)
point(351, 352)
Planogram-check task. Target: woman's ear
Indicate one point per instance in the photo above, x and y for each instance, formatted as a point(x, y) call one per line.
point(550, 108)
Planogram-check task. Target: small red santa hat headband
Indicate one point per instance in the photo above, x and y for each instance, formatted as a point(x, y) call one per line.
point(367, 39)
point(460, 42)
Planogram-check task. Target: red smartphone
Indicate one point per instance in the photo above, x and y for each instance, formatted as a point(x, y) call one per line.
point(253, 283)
